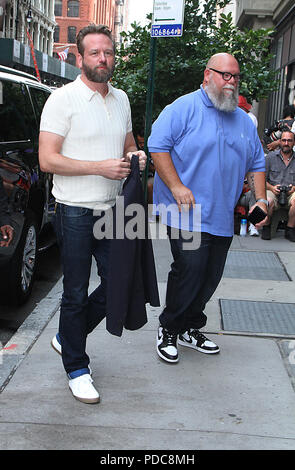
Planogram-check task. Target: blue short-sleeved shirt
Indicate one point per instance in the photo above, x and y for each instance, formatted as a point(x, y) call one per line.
point(212, 151)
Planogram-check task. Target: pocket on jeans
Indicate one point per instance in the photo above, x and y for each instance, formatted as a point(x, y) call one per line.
point(72, 211)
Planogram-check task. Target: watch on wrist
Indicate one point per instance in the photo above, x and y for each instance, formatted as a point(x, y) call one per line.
point(264, 201)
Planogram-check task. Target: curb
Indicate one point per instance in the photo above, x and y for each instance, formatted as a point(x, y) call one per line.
point(12, 355)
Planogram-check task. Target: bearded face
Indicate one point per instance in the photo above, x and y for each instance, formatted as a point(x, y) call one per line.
point(98, 73)
point(225, 97)
point(98, 60)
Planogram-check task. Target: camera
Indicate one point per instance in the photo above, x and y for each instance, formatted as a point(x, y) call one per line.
point(283, 196)
point(273, 133)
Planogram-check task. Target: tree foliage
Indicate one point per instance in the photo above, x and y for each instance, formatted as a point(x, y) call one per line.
point(180, 62)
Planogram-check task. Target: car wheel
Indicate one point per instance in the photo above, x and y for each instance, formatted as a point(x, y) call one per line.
point(24, 263)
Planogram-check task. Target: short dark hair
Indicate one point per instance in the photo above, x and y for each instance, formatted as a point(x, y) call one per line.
point(286, 129)
point(288, 111)
point(93, 29)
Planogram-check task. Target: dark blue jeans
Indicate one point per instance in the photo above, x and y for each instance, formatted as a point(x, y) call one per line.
point(194, 277)
point(79, 313)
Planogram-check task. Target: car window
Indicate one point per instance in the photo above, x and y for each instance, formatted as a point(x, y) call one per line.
point(16, 113)
point(39, 98)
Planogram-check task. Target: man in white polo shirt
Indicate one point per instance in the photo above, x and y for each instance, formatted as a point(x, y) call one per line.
point(86, 141)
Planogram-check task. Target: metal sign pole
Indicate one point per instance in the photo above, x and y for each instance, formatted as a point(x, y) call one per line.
point(167, 22)
point(149, 108)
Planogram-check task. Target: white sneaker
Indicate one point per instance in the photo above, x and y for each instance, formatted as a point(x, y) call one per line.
point(83, 390)
point(167, 345)
point(55, 343)
point(253, 231)
point(196, 340)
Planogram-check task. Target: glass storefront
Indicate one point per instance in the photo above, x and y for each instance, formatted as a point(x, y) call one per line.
point(284, 63)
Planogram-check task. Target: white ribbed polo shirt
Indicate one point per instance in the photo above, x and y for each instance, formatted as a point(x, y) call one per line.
point(94, 129)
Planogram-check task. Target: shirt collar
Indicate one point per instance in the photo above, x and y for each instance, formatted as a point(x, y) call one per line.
point(281, 157)
point(88, 93)
point(205, 98)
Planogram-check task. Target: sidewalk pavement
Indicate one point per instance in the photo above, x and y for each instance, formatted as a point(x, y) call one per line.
point(240, 399)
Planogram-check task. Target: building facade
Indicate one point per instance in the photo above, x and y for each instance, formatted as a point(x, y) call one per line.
point(26, 40)
point(34, 31)
point(280, 16)
point(121, 19)
point(73, 15)
point(35, 17)
point(284, 63)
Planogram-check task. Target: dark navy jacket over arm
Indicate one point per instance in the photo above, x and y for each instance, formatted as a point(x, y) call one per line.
point(132, 280)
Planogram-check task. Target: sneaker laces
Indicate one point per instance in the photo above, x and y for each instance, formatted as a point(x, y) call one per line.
point(169, 337)
point(197, 335)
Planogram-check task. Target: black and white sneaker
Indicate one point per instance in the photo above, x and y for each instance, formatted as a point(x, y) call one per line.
point(167, 345)
point(196, 340)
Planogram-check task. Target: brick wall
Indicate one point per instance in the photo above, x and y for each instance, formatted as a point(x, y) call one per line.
point(90, 11)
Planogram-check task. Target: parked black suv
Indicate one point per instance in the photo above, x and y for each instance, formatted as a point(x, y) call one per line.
point(31, 203)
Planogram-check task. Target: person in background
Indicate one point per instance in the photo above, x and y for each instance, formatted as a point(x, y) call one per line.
point(202, 167)
point(151, 173)
point(280, 171)
point(243, 104)
point(286, 121)
point(247, 198)
point(140, 140)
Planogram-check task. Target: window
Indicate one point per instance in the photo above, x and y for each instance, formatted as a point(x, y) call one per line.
point(73, 9)
point(292, 45)
point(72, 34)
point(39, 98)
point(16, 113)
point(58, 8)
point(279, 52)
point(56, 34)
point(71, 59)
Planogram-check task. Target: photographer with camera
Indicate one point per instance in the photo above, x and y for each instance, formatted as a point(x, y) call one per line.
point(280, 183)
point(273, 134)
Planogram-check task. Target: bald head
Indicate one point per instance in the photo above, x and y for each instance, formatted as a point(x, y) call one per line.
point(222, 59)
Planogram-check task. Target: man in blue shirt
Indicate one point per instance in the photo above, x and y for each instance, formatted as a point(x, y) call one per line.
point(202, 146)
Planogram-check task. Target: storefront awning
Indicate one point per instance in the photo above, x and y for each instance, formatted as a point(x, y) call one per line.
point(17, 55)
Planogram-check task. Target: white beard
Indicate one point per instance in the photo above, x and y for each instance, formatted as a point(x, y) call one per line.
point(222, 101)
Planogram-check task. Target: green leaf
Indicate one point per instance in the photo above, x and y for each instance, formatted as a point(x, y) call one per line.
point(181, 61)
